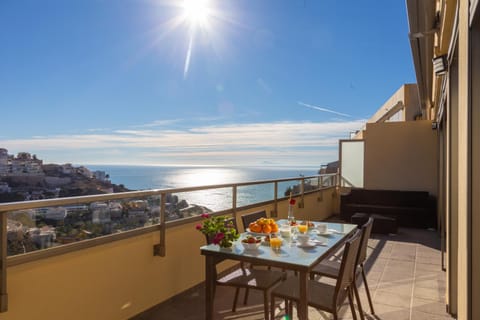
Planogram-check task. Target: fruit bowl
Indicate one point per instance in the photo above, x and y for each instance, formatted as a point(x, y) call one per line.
point(251, 243)
point(251, 246)
point(263, 226)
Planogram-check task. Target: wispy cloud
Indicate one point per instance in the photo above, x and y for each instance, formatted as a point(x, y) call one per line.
point(98, 129)
point(323, 109)
point(300, 143)
point(158, 123)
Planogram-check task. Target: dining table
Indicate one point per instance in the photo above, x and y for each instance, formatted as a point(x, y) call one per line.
point(292, 255)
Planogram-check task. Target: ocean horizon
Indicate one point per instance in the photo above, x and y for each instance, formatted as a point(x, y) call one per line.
point(137, 177)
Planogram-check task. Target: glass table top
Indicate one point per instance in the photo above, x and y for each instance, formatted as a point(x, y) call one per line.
point(291, 252)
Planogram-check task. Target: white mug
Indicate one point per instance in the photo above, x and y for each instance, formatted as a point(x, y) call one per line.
point(322, 227)
point(303, 238)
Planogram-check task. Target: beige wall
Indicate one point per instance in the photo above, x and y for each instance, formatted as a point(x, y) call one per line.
point(401, 156)
point(123, 278)
point(406, 97)
point(463, 162)
point(475, 160)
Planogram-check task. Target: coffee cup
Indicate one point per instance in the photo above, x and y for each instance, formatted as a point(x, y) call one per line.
point(322, 227)
point(303, 238)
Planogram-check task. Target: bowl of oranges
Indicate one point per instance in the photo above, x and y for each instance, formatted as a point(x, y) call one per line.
point(263, 226)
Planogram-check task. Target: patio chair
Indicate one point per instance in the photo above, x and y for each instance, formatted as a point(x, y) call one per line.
point(251, 217)
point(331, 269)
point(321, 295)
point(248, 278)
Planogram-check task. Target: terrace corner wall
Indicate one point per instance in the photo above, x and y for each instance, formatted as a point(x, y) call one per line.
point(401, 156)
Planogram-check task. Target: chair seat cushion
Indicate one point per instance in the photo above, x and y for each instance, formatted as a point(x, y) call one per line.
point(328, 269)
point(321, 294)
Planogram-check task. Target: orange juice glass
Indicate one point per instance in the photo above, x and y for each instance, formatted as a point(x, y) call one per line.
point(275, 243)
point(302, 228)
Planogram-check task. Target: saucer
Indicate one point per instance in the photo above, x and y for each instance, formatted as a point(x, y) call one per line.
point(308, 244)
point(325, 233)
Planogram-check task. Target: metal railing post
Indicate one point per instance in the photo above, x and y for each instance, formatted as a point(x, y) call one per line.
point(3, 262)
point(234, 201)
point(275, 200)
point(160, 249)
point(302, 194)
point(320, 189)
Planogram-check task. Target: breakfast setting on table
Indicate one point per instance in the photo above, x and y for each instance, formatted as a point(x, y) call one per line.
point(303, 234)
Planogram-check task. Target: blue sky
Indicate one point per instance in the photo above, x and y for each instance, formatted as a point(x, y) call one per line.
point(267, 82)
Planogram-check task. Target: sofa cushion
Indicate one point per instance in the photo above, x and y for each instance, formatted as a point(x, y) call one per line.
point(409, 208)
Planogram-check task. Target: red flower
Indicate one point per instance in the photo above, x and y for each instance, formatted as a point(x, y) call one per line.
point(199, 226)
point(218, 238)
point(205, 215)
point(292, 202)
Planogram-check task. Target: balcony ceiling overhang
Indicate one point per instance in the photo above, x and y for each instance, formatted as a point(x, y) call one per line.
point(422, 24)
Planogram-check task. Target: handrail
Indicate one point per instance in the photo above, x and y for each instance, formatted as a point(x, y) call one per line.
point(24, 205)
point(158, 249)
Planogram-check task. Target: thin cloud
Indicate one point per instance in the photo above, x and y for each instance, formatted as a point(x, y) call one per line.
point(158, 123)
point(323, 109)
point(299, 143)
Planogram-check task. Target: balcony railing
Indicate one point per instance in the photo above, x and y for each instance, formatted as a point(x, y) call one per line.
point(95, 220)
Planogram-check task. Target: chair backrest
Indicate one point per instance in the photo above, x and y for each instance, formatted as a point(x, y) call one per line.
point(347, 267)
point(229, 220)
point(251, 217)
point(366, 231)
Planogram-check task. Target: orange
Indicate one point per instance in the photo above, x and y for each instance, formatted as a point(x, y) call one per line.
point(274, 227)
point(267, 228)
point(254, 227)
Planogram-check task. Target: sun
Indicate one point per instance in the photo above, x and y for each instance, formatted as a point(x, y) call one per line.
point(200, 21)
point(196, 12)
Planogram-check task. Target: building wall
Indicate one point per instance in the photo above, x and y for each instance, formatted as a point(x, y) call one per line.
point(475, 123)
point(463, 163)
point(462, 171)
point(401, 156)
point(405, 100)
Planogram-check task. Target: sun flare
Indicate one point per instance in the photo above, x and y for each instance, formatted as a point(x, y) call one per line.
point(196, 12)
point(200, 22)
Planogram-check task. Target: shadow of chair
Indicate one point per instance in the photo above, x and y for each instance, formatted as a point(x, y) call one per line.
point(331, 269)
point(248, 278)
point(321, 295)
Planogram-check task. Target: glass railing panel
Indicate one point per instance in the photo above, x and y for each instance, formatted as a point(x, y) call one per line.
point(287, 187)
point(248, 195)
point(71, 220)
point(311, 184)
point(46, 227)
point(192, 203)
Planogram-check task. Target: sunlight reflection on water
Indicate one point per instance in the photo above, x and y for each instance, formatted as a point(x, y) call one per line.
point(150, 177)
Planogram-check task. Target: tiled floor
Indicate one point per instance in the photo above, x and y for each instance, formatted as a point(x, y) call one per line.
point(403, 273)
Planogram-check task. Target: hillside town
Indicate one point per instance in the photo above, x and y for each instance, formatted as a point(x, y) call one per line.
point(25, 177)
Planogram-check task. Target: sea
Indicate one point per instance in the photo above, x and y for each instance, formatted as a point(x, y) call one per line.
point(168, 177)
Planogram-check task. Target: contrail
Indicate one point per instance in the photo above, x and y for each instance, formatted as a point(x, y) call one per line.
point(323, 109)
point(189, 53)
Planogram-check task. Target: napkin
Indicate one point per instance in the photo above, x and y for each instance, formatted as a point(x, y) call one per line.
point(319, 243)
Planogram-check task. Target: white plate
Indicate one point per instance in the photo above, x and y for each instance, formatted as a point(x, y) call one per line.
point(308, 244)
point(326, 233)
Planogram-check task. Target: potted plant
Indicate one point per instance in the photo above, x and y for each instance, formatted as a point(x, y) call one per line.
point(219, 230)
